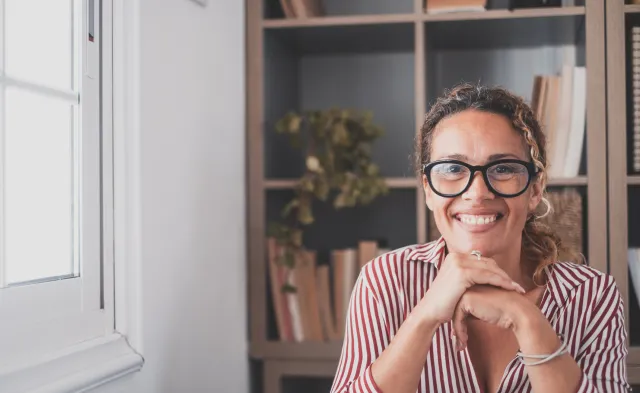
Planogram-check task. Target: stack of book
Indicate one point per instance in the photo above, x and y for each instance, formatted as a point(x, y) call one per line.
point(635, 73)
point(559, 102)
point(317, 310)
point(302, 8)
point(446, 6)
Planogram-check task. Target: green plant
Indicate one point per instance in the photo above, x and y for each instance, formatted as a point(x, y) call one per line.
point(338, 166)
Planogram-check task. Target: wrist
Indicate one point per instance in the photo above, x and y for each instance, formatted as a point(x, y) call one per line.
point(525, 317)
point(532, 330)
point(425, 317)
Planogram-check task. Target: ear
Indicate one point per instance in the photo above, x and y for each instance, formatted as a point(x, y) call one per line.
point(536, 195)
point(428, 193)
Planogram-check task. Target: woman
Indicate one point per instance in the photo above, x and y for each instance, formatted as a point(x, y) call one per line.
point(487, 307)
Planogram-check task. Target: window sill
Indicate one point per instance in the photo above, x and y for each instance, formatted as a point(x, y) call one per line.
point(85, 367)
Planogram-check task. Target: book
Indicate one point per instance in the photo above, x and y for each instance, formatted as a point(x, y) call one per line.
point(635, 84)
point(447, 6)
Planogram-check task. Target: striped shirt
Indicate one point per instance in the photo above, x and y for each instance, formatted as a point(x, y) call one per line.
point(582, 304)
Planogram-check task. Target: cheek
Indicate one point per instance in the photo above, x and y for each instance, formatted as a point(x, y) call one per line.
point(441, 208)
point(518, 209)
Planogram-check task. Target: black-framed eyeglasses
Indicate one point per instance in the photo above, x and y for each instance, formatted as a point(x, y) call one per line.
point(507, 178)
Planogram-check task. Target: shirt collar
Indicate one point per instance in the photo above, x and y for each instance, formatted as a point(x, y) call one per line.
point(432, 252)
point(563, 278)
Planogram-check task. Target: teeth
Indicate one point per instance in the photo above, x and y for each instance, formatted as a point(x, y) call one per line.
point(477, 220)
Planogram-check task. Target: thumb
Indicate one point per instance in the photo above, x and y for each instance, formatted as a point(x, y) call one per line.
point(460, 327)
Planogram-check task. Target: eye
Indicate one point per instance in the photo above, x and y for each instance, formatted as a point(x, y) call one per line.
point(504, 169)
point(507, 170)
point(449, 168)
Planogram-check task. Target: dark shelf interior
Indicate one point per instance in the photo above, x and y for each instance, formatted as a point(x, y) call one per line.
point(303, 82)
point(500, 52)
point(360, 38)
point(481, 34)
point(390, 219)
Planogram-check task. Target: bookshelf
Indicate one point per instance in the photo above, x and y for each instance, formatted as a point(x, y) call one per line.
point(624, 183)
point(393, 58)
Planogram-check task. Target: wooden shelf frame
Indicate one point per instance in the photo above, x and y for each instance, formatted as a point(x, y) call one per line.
point(275, 354)
point(506, 14)
point(632, 8)
point(353, 20)
point(347, 20)
point(410, 182)
point(618, 179)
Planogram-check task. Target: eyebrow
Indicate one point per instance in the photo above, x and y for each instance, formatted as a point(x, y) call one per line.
point(492, 157)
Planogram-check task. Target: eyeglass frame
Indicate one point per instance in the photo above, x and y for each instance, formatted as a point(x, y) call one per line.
point(530, 166)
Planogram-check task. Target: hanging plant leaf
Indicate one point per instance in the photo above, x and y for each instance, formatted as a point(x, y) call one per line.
point(289, 260)
point(294, 203)
point(322, 188)
point(296, 237)
point(288, 288)
point(304, 212)
point(337, 144)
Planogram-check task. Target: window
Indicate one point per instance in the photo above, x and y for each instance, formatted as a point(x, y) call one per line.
point(56, 220)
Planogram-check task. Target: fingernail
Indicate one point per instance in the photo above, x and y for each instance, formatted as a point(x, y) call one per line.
point(518, 287)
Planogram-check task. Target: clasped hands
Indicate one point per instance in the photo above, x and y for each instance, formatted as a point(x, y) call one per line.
point(469, 286)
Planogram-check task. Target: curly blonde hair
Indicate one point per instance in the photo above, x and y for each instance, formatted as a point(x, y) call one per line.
point(540, 244)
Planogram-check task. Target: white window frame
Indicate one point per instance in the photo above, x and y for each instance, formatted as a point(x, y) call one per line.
point(83, 350)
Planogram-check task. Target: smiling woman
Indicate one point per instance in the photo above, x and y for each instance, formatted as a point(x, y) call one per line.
point(488, 307)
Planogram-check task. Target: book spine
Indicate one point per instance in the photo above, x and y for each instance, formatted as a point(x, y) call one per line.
point(635, 83)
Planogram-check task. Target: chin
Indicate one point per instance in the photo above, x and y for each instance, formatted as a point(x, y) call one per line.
point(485, 246)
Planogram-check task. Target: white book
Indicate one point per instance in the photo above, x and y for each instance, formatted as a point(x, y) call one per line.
point(633, 256)
point(560, 137)
point(350, 264)
point(578, 119)
point(294, 304)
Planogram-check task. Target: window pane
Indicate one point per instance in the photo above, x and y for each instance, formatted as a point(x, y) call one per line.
point(39, 41)
point(39, 187)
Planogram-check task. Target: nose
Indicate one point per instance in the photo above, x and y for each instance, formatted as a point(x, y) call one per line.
point(478, 189)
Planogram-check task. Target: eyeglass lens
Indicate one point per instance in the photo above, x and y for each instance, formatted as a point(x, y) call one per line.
point(505, 178)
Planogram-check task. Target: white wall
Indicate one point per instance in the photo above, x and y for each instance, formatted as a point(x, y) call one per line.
point(193, 221)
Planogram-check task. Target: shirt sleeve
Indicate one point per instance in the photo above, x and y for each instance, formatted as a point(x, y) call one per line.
point(366, 335)
point(602, 356)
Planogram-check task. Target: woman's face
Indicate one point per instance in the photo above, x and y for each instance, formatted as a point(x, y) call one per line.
point(479, 219)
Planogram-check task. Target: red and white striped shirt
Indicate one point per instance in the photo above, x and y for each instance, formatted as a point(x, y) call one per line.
point(582, 304)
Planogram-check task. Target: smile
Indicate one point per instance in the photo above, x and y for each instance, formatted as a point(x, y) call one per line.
point(472, 219)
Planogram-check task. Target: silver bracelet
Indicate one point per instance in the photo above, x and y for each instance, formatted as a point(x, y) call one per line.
point(543, 358)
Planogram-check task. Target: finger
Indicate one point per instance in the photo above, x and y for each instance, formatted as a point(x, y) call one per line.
point(486, 276)
point(491, 265)
point(470, 261)
point(460, 327)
